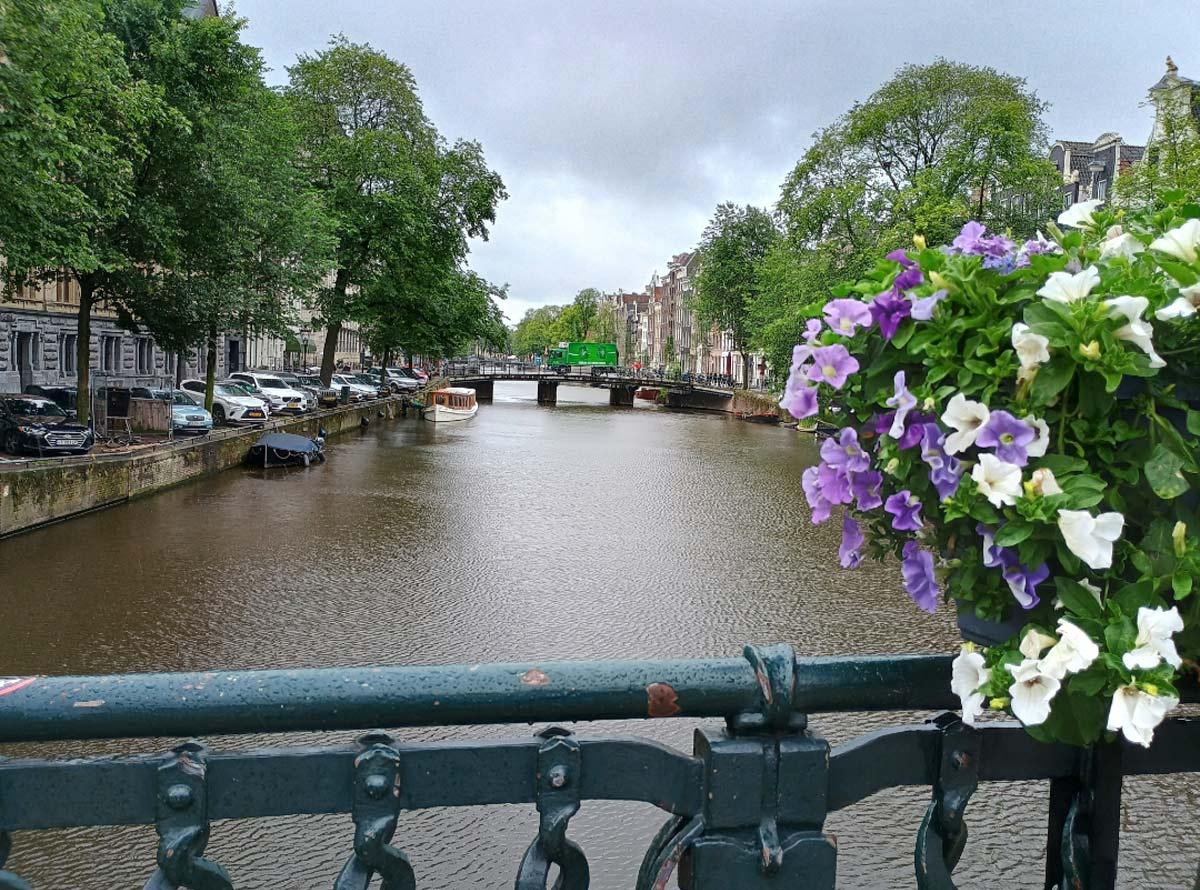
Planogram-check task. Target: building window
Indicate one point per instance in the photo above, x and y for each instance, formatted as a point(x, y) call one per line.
point(145, 355)
point(68, 344)
point(110, 354)
point(1067, 200)
point(1102, 189)
point(62, 288)
point(169, 364)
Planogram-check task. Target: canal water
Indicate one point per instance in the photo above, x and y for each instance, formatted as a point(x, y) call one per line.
point(528, 533)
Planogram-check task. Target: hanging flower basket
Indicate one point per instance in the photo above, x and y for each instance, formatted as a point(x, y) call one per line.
point(1018, 425)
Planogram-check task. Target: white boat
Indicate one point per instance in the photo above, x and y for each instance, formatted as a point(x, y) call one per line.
point(451, 403)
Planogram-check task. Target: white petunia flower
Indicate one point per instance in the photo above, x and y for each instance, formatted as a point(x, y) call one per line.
point(1181, 243)
point(1031, 692)
point(1154, 643)
point(1136, 713)
point(996, 480)
point(1037, 448)
point(1091, 537)
point(1118, 243)
point(1137, 331)
point(1079, 214)
point(1042, 482)
point(1032, 350)
point(967, 418)
point(1063, 287)
point(1183, 306)
point(967, 674)
point(1074, 652)
point(1034, 642)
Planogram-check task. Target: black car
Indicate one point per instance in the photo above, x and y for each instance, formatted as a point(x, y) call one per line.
point(34, 424)
point(63, 396)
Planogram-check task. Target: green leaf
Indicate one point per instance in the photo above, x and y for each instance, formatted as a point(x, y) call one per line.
point(1130, 598)
point(1062, 464)
point(1077, 599)
point(1052, 378)
point(1181, 583)
point(1091, 681)
point(1046, 321)
point(1013, 533)
point(1164, 472)
point(1193, 422)
point(1184, 274)
point(1075, 718)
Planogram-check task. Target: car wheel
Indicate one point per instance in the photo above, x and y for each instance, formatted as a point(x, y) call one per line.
point(218, 413)
point(10, 443)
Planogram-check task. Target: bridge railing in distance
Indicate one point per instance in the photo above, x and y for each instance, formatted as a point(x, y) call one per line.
point(745, 809)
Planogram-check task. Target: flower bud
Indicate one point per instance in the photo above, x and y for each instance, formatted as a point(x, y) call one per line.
point(1042, 482)
point(929, 404)
point(999, 704)
point(1114, 232)
point(919, 242)
point(1149, 688)
point(1090, 350)
point(891, 466)
point(938, 281)
point(1178, 537)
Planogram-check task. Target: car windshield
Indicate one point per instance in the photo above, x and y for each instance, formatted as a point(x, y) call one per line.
point(310, 381)
point(179, 398)
point(228, 389)
point(34, 408)
point(272, 383)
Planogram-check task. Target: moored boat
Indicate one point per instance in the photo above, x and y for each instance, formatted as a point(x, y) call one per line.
point(451, 403)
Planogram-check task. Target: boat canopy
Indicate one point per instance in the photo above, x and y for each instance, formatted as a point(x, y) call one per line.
point(288, 442)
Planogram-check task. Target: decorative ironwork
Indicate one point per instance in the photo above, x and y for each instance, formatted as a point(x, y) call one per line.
point(745, 809)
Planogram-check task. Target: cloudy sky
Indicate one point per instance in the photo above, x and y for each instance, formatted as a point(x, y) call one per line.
point(618, 125)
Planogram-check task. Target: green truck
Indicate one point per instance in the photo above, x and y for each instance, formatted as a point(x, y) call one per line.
point(582, 355)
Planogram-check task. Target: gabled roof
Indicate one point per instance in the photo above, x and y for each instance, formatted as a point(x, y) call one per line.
point(198, 9)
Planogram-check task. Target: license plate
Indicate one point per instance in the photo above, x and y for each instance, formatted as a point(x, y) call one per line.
point(254, 414)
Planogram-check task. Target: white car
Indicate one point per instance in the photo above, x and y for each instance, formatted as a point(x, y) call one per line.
point(283, 399)
point(229, 405)
point(358, 391)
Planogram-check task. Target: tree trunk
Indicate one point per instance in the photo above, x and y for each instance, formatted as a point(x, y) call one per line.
point(747, 362)
point(329, 351)
point(210, 370)
point(179, 360)
point(83, 350)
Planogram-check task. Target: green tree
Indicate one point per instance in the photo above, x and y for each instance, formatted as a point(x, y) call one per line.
point(732, 248)
point(936, 145)
point(1172, 161)
point(537, 331)
point(385, 175)
point(607, 324)
point(579, 317)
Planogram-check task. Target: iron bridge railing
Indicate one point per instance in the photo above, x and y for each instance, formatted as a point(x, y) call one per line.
point(744, 810)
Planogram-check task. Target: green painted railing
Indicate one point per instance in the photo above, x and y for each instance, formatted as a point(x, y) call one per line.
point(745, 810)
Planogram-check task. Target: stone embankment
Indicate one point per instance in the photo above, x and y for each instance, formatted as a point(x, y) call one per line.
point(37, 492)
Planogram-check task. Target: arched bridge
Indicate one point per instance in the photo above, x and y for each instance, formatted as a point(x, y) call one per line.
point(622, 383)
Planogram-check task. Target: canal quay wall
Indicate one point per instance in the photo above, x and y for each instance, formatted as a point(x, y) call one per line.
point(45, 491)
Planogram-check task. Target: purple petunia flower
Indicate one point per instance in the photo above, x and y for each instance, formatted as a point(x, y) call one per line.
point(899, 256)
point(799, 400)
point(847, 316)
point(1023, 582)
point(970, 239)
point(845, 452)
point(835, 484)
point(1008, 436)
point(903, 401)
point(850, 553)
point(865, 488)
point(908, 279)
point(832, 365)
point(905, 508)
point(889, 309)
point(922, 307)
point(945, 471)
point(914, 427)
point(812, 330)
point(821, 508)
point(1002, 264)
point(919, 578)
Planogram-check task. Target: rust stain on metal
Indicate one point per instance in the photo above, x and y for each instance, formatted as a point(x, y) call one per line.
point(92, 703)
point(764, 684)
point(534, 677)
point(661, 700)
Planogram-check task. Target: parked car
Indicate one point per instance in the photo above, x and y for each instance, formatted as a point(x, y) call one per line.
point(63, 396)
point(403, 381)
point(146, 392)
point(35, 424)
point(231, 403)
point(358, 391)
point(188, 418)
point(326, 396)
point(371, 383)
point(282, 398)
point(293, 380)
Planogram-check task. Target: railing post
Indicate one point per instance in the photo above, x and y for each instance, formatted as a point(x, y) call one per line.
point(767, 782)
point(557, 789)
point(375, 810)
point(182, 824)
point(1092, 830)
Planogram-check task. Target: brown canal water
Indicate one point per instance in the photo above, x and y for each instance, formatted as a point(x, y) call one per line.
point(527, 533)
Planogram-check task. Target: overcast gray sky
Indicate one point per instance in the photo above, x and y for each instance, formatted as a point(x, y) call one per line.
point(618, 126)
